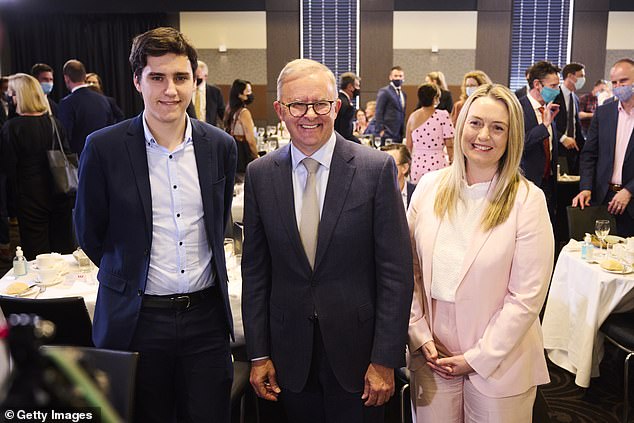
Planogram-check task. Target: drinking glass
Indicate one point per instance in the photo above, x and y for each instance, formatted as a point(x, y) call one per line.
point(377, 141)
point(389, 141)
point(602, 229)
point(261, 132)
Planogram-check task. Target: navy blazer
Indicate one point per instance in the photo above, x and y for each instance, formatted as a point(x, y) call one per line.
point(361, 286)
point(390, 114)
point(345, 119)
point(410, 191)
point(113, 218)
point(214, 106)
point(561, 121)
point(533, 157)
point(83, 112)
point(597, 156)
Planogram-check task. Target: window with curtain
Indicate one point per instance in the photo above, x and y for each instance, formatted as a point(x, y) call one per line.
point(330, 33)
point(541, 30)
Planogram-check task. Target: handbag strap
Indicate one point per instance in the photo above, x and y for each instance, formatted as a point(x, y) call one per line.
point(57, 137)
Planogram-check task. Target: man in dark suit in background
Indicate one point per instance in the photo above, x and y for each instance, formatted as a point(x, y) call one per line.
point(207, 102)
point(390, 107)
point(349, 89)
point(44, 74)
point(83, 111)
point(521, 92)
point(154, 197)
point(567, 120)
point(539, 159)
point(403, 159)
point(326, 265)
point(607, 159)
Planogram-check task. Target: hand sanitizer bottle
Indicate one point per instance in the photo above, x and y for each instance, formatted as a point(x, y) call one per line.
point(19, 262)
point(587, 249)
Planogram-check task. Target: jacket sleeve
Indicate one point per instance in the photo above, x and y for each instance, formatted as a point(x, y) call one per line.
point(527, 286)
point(379, 113)
point(589, 156)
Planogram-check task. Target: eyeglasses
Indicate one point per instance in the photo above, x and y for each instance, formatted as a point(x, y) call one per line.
point(298, 109)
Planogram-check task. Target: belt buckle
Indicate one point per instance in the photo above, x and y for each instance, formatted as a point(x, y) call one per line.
point(181, 297)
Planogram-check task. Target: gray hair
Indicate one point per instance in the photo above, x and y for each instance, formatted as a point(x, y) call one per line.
point(302, 67)
point(202, 65)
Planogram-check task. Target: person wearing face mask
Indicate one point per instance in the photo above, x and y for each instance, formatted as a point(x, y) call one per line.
point(207, 104)
point(44, 74)
point(567, 120)
point(471, 80)
point(239, 123)
point(349, 89)
point(539, 159)
point(589, 102)
point(606, 168)
point(390, 108)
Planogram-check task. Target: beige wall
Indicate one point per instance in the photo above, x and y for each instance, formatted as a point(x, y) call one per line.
point(619, 43)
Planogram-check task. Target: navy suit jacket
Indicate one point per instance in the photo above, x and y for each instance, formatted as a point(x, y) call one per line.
point(361, 286)
point(83, 112)
point(390, 115)
point(113, 218)
point(597, 156)
point(533, 157)
point(561, 121)
point(410, 191)
point(214, 106)
point(345, 118)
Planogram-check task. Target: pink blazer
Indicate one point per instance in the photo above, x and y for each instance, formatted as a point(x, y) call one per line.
point(504, 280)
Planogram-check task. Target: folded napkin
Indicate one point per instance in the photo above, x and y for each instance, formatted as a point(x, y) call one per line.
point(573, 245)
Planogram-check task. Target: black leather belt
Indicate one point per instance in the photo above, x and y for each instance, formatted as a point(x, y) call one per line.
point(177, 301)
point(615, 187)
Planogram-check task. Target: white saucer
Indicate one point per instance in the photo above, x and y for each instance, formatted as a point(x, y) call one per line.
point(626, 270)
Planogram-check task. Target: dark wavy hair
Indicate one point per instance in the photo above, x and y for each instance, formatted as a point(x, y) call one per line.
point(235, 102)
point(159, 42)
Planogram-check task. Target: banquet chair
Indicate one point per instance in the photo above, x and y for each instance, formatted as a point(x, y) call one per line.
point(618, 329)
point(405, 403)
point(120, 367)
point(70, 316)
point(582, 221)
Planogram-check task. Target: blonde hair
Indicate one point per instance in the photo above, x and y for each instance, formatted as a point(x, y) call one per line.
point(502, 198)
point(303, 67)
point(480, 77)
point(30, 97)
point(438, 78)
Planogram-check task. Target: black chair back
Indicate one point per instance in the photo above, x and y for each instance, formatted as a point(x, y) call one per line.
point(120, 367)
point(70, 316)
point(582, 221)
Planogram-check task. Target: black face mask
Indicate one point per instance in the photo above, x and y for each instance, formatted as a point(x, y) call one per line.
point(199, 81)
point(249, 99)
point(356, 93)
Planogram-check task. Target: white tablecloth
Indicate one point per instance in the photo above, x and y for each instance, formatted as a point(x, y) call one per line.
point(85, 285)
point(581, 297)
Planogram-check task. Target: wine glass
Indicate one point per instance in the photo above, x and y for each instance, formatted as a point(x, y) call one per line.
point(377, 141)
point(261, 132)
point(602, 229)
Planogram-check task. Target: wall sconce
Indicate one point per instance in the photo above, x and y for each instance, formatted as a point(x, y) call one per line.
point(434, 49)
point(222, 48)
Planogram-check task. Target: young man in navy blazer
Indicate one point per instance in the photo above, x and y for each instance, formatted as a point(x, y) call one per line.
point(154, 197)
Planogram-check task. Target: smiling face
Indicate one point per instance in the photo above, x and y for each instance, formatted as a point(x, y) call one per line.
point(484, 137)
point(311, 131)
point(166, 84)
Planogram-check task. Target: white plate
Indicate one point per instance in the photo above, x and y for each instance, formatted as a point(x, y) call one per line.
point(626, 270)
point(55, 281)
point(614, 239)
point(31, 291)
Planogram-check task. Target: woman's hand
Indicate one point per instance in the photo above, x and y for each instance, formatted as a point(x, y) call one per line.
point(455, 365)
point(431, 355)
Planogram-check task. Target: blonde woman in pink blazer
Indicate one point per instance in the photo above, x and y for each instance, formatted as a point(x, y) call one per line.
point(483, 256)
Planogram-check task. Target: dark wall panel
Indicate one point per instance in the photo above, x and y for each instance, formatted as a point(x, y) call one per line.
point(375, 51)
point(589, 37)
point(622, 5)
point(136, 6)
point(493, 45)
point(435, 5)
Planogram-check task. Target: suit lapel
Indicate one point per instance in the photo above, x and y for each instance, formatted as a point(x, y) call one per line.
point(341, 174)
point(137, 154)
point(283, 186)
point(613, 119)
point(205, 168)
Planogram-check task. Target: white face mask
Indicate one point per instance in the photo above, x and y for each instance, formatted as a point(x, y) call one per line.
point(470, 90)
point(580, 83)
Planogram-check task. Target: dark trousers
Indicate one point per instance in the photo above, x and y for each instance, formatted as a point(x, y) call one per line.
point(624, 222)
point(4, 223)
point(185, 370)
point(548, 186)
point(45, 224)
point(323, 400)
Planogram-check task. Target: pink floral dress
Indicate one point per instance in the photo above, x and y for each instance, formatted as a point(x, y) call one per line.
point(428, 141)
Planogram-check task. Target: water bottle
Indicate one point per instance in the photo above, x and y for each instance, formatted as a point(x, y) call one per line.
point(19, 262)
point(587, 249)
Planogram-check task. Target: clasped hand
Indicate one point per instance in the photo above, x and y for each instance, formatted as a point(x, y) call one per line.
point(447, 367)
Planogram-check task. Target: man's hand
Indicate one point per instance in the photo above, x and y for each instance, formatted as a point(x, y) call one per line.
point(550, 111)
point(456, 365)
point(619, 202)
point(263, 379)
point(570, 143)
point(379, 385)
point(582, 199)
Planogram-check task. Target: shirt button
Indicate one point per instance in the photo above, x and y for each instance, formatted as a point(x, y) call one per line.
point(170, 156)
point(182, 271)
point(180, 243)
point(178, 215)
point(174, 186)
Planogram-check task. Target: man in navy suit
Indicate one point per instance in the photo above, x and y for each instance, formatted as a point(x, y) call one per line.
point(567, 120)
point(44, 74)
point(390, 107)
point(207, 102)
point(539, 159)
point(607, 159)
point(154, 197)
point(349, 88)
point(326, 263)
point(83, 111)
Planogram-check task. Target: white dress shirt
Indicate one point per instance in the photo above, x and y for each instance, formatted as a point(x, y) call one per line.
point(536, 105)
point(324, 157)
point(566, 94)
point(180, 258)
